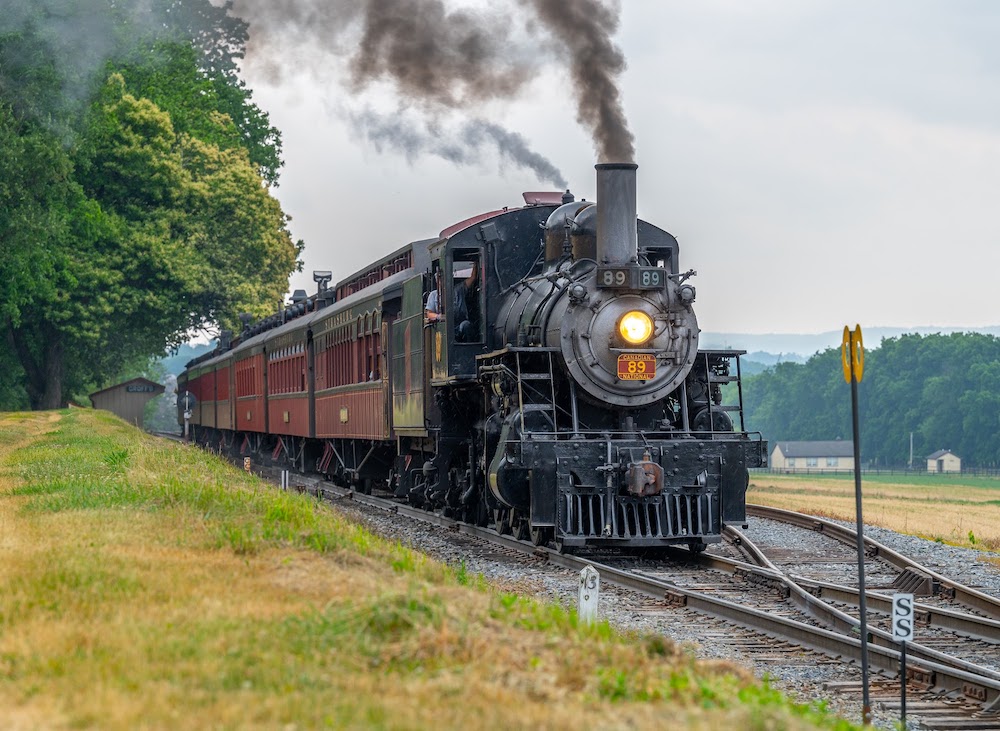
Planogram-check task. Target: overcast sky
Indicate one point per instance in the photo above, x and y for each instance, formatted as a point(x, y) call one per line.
point(821, 163)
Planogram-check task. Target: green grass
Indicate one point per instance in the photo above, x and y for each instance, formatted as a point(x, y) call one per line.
point(153, 577)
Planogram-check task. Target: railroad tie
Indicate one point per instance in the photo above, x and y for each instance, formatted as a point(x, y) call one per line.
point(914, 581)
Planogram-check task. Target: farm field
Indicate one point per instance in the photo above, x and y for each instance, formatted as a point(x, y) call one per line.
point(962, 511)
point(150, 585)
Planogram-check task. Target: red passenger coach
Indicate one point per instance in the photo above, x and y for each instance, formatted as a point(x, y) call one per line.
point(209, 396)
point(197, 385)
point(223, 391)
point(287, 383)
point(250, 411)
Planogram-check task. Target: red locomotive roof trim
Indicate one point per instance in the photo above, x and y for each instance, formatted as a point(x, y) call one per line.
point(462, 225)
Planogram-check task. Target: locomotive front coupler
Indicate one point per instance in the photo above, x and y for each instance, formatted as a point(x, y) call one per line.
point(609, 471)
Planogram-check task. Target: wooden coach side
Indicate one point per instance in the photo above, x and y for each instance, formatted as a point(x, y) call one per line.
point(223, 392)
point(351, 380)
point(250, 411)
point(288, 386)
point(196, 385)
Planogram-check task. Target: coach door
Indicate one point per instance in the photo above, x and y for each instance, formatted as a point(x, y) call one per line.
point(407, 373)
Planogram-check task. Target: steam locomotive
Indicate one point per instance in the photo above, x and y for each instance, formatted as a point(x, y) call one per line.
point(555, 391)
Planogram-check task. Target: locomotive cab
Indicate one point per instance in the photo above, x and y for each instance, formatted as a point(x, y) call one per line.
point(456, 314)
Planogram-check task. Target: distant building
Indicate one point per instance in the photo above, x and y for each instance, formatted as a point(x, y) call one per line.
point(127, 400)
point(813, 456)
point(944, 461)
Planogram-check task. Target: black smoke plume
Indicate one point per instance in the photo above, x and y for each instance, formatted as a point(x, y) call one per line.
point(439, 60)
point(583, 30)
point(413, 137)
point(436, 58)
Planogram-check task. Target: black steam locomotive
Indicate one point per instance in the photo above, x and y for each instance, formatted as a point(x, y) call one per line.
point(535, 368)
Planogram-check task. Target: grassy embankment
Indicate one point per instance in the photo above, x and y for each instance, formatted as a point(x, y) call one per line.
point(151, 585)
point(963, 511)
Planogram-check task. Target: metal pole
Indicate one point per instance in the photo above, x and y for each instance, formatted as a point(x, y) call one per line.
point(902, 683)
point(866, 708)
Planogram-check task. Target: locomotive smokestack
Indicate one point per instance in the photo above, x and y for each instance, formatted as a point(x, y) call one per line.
point(617, 237)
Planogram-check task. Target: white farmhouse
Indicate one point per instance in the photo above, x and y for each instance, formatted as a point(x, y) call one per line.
point(826, 456)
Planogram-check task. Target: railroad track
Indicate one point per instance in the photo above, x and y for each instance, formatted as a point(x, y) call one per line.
point(913, 576)
point(792, 620)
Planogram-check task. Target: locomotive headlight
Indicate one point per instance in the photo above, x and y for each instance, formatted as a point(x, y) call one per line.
point(636, 327)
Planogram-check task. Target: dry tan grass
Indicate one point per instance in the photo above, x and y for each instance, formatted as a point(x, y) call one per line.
point(941, 511)
point(137, 617)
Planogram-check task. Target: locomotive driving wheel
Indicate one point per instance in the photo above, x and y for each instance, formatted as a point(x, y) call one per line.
point(520, 527)
point(541, 535)
point(502, 520)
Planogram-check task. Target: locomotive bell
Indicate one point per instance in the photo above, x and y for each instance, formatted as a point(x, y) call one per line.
point(617, 229)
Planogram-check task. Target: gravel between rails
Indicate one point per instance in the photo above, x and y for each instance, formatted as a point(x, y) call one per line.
point(527, 575)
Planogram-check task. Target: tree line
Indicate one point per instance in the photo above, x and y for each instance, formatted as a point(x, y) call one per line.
point(135, 190)
point(942, 389)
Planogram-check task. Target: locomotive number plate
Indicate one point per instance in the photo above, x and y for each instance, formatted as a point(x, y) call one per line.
point(636, 366)
point(631, 277)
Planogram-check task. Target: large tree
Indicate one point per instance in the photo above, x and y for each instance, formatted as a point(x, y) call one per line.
point(134, 201)
point(942, 389)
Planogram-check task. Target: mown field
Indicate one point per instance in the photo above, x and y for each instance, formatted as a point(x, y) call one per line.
point(149, 585)
point(963, 511)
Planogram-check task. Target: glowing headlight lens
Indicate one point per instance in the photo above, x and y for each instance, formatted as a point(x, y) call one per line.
point(636, 327)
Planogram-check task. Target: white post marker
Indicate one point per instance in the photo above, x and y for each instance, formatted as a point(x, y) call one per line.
point(902, 632)
point(590, 587)
point(902, 617)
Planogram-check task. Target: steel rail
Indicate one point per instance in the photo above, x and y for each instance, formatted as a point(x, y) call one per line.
point(927, 615)
point(988, 605)
point(835, 619)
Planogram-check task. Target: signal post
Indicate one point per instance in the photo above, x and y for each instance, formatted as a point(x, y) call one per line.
point(852, 355)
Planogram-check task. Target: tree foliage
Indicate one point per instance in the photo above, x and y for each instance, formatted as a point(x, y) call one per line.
point(134, 204)
point(944, 389)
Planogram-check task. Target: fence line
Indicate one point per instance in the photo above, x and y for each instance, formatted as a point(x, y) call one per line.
point(965, 471)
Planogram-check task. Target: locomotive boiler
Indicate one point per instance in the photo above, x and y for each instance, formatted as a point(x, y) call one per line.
point(536, 368)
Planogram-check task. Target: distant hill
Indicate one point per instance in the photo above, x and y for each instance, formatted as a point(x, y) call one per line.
point(762, 350)
point(175, 363)
point(784, 347)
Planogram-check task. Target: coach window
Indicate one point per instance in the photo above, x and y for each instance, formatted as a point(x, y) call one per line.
point(466, 297)
point(360, 374)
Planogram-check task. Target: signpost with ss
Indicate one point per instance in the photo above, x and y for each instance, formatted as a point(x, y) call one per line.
point(902, 632)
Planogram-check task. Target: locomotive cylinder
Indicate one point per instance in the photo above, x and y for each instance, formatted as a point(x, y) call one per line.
point(617, 235)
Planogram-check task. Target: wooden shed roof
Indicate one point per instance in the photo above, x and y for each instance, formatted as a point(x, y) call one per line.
point(829, 448)
point(157, 388)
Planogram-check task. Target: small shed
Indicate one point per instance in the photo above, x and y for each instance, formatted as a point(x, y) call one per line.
point(943, 461)
point(821, 456)
point(127, 400)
